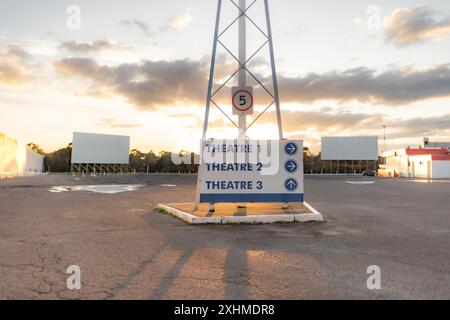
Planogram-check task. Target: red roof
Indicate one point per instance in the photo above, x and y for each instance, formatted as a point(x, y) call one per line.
point(417, 152)
point(441, 157)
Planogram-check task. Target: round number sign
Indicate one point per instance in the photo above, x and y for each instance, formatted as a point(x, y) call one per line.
point(242, 100)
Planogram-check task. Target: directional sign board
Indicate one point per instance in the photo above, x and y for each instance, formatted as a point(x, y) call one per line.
point(242, 101)
point(251, 172)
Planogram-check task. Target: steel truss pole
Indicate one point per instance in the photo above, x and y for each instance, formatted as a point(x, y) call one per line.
point(209, 99)
point(274, 71)
point(242, 60)
point(211, 72)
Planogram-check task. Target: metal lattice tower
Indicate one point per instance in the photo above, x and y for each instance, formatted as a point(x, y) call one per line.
point(242, 61)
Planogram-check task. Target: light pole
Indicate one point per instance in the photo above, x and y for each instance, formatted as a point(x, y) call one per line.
point(384, 145)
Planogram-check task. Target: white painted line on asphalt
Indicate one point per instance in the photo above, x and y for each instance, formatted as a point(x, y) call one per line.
point(168, 185)
point(105, 189)
point(360, 182)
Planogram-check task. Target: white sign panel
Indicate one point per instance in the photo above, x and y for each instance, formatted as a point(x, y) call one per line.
point(350, 148)
point(251, 172)
point(100, 149)
point(242, 101)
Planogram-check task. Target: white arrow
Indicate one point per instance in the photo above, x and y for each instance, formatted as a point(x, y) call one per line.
point(291, 148)
point(291, 184)
point(291, 166)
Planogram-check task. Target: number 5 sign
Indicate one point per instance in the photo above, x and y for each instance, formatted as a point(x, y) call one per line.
point(242, 101)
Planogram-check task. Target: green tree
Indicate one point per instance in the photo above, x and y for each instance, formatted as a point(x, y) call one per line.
point(35, 147)
point(151, 162)
point(137, 160)
point(165, 163)
point(59, 161)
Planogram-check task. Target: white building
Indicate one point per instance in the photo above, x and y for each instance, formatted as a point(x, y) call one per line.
point(427, 144)
point(417, 163)
point(17, 159)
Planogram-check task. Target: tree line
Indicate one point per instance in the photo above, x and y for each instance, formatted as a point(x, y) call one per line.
point(141, 162)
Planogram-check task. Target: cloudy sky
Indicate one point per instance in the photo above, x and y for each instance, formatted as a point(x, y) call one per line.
point(140, 68)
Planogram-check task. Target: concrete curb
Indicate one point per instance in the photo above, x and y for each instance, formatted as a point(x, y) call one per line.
point(314, 216)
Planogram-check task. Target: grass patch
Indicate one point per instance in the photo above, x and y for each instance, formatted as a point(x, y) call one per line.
point(162, 211)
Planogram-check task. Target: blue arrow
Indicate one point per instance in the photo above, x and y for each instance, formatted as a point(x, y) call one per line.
point(291, 148)
point(291, 184)
point(291, 166)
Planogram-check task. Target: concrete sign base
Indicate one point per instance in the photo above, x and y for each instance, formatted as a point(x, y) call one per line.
point(250, 214)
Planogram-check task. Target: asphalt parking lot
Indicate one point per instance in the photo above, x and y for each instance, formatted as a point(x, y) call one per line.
point(127, 251)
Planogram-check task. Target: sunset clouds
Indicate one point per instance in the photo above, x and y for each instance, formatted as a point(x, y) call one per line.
point(397, 86)
point(15, 65)
point(157, 83)
point(147, 85)
point(80, 47)
point(178, 22)
point(141, 25)
point(407, 26)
